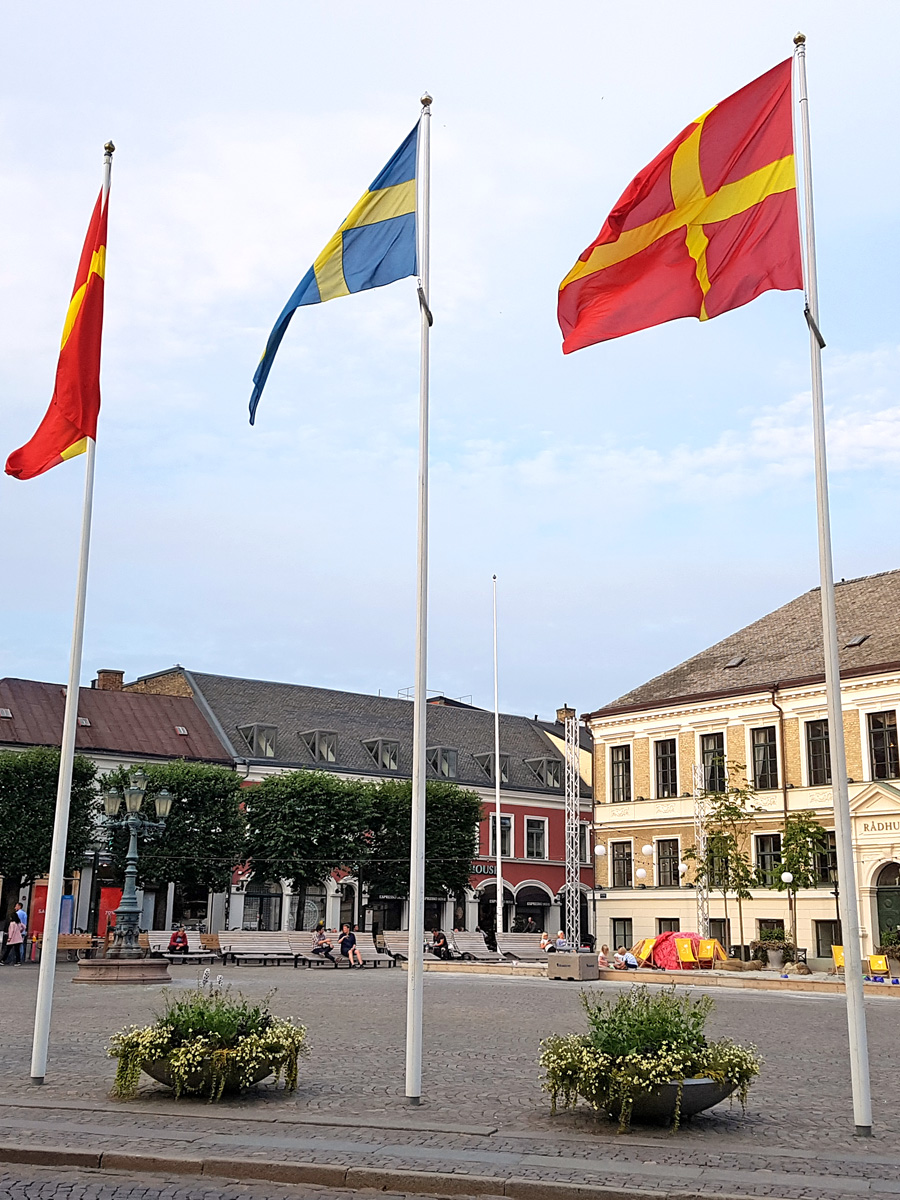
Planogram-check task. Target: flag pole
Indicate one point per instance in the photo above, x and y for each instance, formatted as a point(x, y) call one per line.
point(853, 976)
point(498, 829)
point(47, 970)
point(416, 974)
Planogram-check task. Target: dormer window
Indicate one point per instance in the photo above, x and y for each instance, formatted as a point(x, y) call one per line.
point(84, 722)
point(384, 753)
point(547, 771)
point(260, 739)
point(486, 762)
point(6, 714)
point(442, 761)
point(321, 744)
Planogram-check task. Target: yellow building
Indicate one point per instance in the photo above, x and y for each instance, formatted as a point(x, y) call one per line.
point(755, 700)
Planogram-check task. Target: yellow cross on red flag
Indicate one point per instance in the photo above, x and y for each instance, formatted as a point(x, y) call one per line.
point(707, 226)
point(72, 416)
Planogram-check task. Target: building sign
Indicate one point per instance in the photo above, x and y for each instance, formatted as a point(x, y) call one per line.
point(484, 868)
point(881, 826)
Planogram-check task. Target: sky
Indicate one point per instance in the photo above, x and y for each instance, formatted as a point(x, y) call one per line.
point(638, 500)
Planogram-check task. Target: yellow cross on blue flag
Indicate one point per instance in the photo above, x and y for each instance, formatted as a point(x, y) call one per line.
point(374, 246)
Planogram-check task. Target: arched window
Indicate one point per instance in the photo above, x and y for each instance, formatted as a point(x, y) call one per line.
point(889, 876)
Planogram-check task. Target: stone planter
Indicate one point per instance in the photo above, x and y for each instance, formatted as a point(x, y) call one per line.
point(199, 1081)
point(776, 958)
point(658, 1107)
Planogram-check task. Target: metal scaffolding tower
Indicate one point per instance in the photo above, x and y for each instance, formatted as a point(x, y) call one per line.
point(702, 882)
point(573, 813)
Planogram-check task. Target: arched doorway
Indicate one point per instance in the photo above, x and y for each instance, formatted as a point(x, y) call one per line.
point(887, 893)
point(533, 903)
point(487, 907)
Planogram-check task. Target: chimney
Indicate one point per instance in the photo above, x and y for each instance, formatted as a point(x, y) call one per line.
point(563, 714)
point(109, 681)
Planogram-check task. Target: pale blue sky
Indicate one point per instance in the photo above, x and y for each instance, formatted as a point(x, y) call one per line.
point(638, 499)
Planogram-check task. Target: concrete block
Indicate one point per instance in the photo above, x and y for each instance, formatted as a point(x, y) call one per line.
point(431, 1183)
point(61, 1156)
point(168, 1164)
point(276, 1172)
point(565, 964)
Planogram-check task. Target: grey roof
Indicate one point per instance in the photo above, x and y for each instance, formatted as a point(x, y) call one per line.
point(356, 718)
point(786, 646)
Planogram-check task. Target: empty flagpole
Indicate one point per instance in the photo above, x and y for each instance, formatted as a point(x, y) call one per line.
point(47, 972)
point(416, 975)
point(856, 1017)
point(497, 831)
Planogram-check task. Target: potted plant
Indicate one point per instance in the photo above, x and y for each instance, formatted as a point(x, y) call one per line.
point(206, 1041)
point(772, 948)
point(646, 1058)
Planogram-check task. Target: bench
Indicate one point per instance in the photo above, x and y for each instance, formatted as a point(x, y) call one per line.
point(76, 945)
point(158, 945)
point(473, 947)
point(302, 944)
point(264, 947)
point(396, 942)
point(521, 947)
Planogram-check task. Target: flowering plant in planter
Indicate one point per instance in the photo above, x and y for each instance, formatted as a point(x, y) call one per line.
point(206, 1041)
point(636, 1044)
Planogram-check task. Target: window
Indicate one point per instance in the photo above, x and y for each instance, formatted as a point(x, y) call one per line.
point(547, 771)
point(505, 836)
point(535, 837)
point(621, 864)
point(668, 925)
point(260, 739)
point(385, 754)
point(621, 932)
point(768, 858)
point(321, 745)
point(818, 753)
point(666, 771)
point(442, 762)
point(720, 929)
point(668, 857)
point(6, 714)
point(85, 722)
point(179, 729)
point(765, 759)
point(584, 842)
point(828, 934)
point(620, 774)
point(826, 862)
point(712, 748)
point(486, 762)
point(883, 745)
point(770, 924)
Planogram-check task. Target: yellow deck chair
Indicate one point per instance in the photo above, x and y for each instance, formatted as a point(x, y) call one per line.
point(878, 965)
point(710, 951)
point(837, 954)
point(685, 949)
point(643, 951)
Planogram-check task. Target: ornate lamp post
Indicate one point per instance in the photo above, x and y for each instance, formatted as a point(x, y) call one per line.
point(125, 941)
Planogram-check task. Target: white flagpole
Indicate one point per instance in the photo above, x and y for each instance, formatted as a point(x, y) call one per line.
point(497, 831)
point(416, 975)
point(47, 972)
point(853, 977)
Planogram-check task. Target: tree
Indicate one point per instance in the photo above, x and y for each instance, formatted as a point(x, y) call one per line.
point(452, 815)
point(726, 866)
point(205, 835)
point(28, 783)
point(803, 842)
point(305, 824)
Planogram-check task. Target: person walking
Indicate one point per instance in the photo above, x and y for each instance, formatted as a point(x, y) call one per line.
point(14, 940)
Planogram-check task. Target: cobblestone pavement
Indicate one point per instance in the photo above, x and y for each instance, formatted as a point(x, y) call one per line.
point(483, 1111)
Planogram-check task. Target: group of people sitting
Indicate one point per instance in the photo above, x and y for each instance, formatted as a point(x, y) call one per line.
point(323, 946)
point(623, 959)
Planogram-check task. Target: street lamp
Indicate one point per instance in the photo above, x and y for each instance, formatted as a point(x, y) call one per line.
point(787, 878)
point(125, 938)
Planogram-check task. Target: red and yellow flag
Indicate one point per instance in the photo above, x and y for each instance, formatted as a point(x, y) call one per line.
point(72, 416)
point(706, 227)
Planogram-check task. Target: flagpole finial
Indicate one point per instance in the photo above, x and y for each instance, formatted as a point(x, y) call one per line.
point(425, 100)
point(800, 39)
point(109, 148)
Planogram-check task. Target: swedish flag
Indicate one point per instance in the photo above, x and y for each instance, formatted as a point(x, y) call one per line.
point(375, 245)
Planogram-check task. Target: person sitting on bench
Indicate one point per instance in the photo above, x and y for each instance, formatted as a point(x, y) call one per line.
point(348, 945)
point(440, 947)
point(178, 942)
point(320, 943)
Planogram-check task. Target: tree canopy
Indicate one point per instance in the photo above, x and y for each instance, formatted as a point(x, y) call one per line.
point(205, 835)
point(28, 783)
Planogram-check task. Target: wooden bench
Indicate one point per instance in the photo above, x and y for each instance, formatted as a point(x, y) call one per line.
point(301, 943)
point(522, 947)
point(396, 943)
point(245, 945)
point(75, 945)
point(158, 945)
point(473, 947)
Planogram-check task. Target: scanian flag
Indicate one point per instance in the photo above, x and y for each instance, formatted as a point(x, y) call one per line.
point(72, 416)
point(707, 226)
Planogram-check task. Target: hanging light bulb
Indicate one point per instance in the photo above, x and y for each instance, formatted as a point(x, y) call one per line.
point(646, 848)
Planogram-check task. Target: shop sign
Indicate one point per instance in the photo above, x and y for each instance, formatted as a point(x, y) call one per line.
point(881, 826)
point(484, 868)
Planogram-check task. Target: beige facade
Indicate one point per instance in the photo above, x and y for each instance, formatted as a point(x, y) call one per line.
point(649, 805)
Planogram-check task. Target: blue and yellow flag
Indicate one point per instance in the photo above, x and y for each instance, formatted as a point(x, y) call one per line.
point(374, 246)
